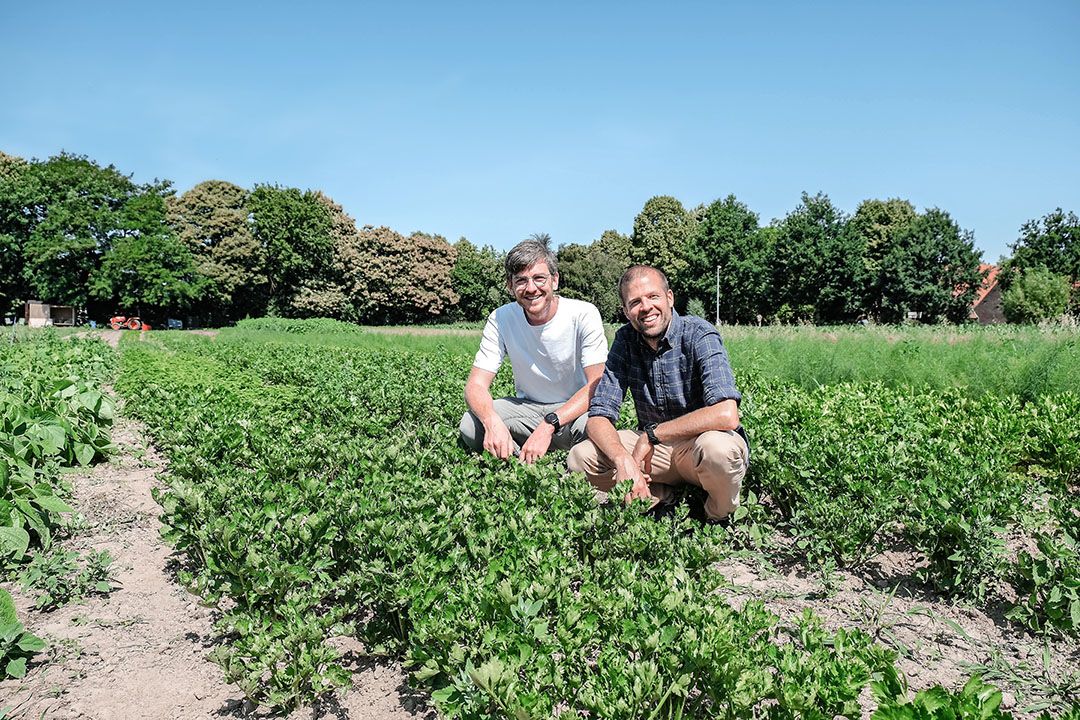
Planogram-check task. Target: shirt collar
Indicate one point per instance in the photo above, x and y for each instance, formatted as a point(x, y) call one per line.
point(674, 329)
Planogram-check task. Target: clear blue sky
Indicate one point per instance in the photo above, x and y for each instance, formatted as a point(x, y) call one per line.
point(497, 120)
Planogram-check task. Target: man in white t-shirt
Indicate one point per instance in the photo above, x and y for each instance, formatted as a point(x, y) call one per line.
point(557, 350)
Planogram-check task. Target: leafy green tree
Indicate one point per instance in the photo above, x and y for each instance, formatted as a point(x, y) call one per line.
point(661, 232)
point(391, 278)
point(213, 221)
point(615, 245)
point(147, 267)
point(478, 279)
point(13, 232)
point(592, 273)
point(877, 226)
point(69, 210)
point(728, 238)
point(1052, 242)
point(293, 232)
point(815, 265)
point(1037, 294)
point(932, 269)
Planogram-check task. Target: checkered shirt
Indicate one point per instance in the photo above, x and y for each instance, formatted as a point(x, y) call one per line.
point(689, 371)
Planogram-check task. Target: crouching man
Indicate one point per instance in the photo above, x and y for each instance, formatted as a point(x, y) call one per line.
point(557, 350)
point(687, 405)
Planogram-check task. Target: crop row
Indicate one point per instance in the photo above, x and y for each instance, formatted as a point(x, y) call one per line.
point(53, 415)
point(320, 491)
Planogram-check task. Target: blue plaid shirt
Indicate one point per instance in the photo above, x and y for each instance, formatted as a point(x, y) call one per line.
point(687, 372)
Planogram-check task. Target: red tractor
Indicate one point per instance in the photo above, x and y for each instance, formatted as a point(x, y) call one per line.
point(120, 322)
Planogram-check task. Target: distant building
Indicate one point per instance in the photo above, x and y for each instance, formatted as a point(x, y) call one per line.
point(39, 314)
point(987, 308)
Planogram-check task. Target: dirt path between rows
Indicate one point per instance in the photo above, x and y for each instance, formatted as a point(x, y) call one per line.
point(140, 652)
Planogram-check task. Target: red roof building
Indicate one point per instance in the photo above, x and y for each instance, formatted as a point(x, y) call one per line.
point(987, 307)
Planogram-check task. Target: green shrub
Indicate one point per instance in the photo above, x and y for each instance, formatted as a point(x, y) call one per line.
point(1036, 295)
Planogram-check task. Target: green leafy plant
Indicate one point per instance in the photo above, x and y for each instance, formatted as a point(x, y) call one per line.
point(16, 644)
point(1050, 587)
point(976, 701)
point(317, 490)
point(59, 577)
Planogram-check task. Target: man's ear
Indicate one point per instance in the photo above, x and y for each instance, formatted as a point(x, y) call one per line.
point(554, 281)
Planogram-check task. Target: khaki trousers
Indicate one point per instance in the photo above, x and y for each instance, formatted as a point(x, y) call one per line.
point(716, 461)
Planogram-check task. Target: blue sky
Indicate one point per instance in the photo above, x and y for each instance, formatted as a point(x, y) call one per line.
point(496, 120)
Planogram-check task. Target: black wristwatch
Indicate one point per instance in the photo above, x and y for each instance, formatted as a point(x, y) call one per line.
point(553, 419)
point(650, 430)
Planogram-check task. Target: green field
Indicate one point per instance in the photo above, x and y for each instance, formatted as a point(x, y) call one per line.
point(317, 491)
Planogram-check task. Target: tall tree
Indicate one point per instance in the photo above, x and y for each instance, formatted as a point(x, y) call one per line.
point(70, 213)
point(292, 229)
point(478, 279)
point(1052, 242)
point(213, 220)
point(815, 264)
point(147, 268)
point(13, 231)
point(661, 231)
point(932, 269)
point(616, 246)
point(728, 251)
point(878, 225)
point(396, 279)
point(592, 273)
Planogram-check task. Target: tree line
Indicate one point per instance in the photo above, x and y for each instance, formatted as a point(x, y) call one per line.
point(73, 232)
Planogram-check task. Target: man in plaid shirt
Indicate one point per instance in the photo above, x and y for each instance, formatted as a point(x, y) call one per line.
point(687, 405)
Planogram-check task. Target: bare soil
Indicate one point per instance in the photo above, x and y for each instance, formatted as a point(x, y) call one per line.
point(140, 652)
point(938, 643)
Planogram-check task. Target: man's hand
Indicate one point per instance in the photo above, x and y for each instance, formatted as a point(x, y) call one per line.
point(628, 468)
point(643, 453)
point(497, 439)
point(538, 443)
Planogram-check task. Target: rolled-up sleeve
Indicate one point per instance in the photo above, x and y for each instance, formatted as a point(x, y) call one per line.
point(608, 397)
point(717, 380)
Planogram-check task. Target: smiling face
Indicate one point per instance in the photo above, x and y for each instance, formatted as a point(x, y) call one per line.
point(534, 290)
point(647, 304)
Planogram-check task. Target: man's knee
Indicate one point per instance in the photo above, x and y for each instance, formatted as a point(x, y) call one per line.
point(471, 432)
point(582, 458)
point(721, 451)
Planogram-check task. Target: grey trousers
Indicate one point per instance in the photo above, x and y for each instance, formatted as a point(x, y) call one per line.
point(522, 417)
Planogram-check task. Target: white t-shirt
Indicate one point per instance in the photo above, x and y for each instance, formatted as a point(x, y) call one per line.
point(549, 360)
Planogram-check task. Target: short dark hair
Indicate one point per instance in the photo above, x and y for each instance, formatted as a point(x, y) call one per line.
point(527, 253)
point(634, 272)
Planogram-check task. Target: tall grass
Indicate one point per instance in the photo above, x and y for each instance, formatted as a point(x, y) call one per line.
point(1027, 362)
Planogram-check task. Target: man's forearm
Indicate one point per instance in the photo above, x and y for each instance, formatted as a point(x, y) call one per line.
point(722, 416)
point(480, 402)
point(578, 404)
point(575, 407)
point(603, 435)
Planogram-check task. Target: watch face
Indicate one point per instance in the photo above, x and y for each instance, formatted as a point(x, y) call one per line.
point(552, 418)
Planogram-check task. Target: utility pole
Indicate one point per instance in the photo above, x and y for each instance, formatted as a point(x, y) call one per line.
point(717, 294)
